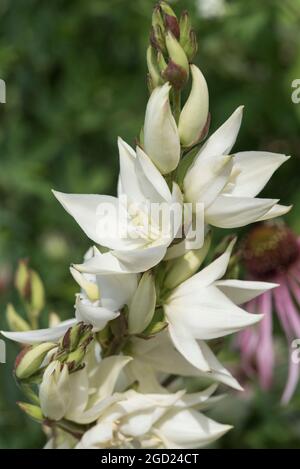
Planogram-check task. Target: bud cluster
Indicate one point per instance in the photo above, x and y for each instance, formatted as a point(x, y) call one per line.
point(172, 47)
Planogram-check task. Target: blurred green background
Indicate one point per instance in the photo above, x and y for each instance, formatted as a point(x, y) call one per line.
point(75, 76)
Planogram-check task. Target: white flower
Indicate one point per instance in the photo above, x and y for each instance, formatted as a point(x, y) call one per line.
point(100, 301)
point(102, 296)
point(54, 392)
point(205, 307)
point(126, 225)
point(161, 138)
point(158, 355)
point(227, 184)
point(154, 420)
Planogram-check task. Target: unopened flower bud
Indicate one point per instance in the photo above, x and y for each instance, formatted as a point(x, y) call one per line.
point(30, 359)
point(177, 71)
point(188, 39)
point(170, 18)
point(157, 38)
point(194, 114)
point(154, 71)
point(55, 391)
point(185, 28)
point(182, 268)
point(142, 306)
point(15, 321)
point(32, 411)
point(162, 64)
point(161, 138)
point(22, 280)
point(157, 19)
point(75, 358)
point(71, 338)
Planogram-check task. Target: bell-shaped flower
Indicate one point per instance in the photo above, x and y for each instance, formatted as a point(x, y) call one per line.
point(138, 226)
point(161, 138)
point(205, 307)
point(227, 184)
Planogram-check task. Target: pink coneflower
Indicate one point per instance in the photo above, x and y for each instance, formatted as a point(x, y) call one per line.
point(271, 252)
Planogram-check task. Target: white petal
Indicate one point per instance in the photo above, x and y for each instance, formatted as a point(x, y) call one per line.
point(93, 314)
point(140, 260)
point(222, 141)
point(153, 184)
point(79, 385)
point(51, 334)
point(89, 287)
point(162, 356)
point(233, 212)
point(205, 179)
point(107, 375)
point(214, 271)
point(276, 211)
point(104, 264)
point(242, 291)
point(255, 169)
point(189, 429)
point(97, 215)
point(161, 138)
point(208, 314)
point(128, 179)
point(98, 436)
point(186, 344)
point(116, 290)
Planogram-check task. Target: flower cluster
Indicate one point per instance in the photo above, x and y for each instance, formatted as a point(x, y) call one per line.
point(148, 312)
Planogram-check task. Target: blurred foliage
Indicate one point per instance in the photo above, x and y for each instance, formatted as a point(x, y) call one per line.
point(75, 76)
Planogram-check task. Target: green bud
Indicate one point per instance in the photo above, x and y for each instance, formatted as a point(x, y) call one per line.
point(157, 38)
point(157, 19)
point(182, 268)
point(153, 67)
point(176, 52)
point(22, 280)
point(15, 321)
point(177, 72)
point(76, 336)
point(188, 39)
point(32, 411)
point(30, 359)
point(185, 28)
point(75, 358)
point(191, 46)
point(37, 302)
point(170, 18)
point(162, 64)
